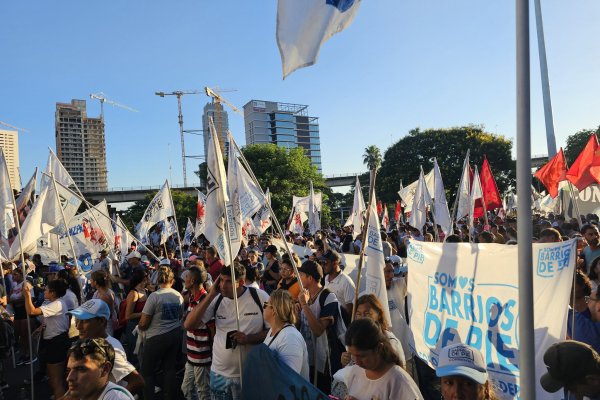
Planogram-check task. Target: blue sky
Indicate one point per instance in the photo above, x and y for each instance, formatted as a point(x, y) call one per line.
point(400, 65)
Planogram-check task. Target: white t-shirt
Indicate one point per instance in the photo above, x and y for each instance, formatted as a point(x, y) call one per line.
point(55, 318)
point(343, 287)
point(16, 292)
point(121, 367)
point(396, 298)
point(115, 392)
point(396, 384)
point(71, 301)
point(291, 348)
point(225, 361)
point(396, 345)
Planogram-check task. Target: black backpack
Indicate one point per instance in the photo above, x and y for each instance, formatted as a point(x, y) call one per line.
point(253, 293)
point(7, 336)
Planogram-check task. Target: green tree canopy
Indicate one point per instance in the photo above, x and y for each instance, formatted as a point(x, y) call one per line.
point(286, 172)
point(449, 146)
point(185, 207)
point(576, 142)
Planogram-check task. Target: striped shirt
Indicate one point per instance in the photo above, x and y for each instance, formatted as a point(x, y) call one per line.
point(199, 341)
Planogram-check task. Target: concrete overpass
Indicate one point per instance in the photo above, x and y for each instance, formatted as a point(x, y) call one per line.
point(131, 194)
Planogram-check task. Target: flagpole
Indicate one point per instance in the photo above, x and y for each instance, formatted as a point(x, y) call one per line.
point(524, 219)
point(177, 226)
point(435, 227)
point(24, 272)
point(273, 216)
point(361, 259)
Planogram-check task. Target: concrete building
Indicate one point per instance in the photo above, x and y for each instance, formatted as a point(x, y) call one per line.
point(221, 121)
point(284, 124)
point(80, 145)
point(9, 142)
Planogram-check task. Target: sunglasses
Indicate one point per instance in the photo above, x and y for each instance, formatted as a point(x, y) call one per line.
point(89, 346)
point(266, 305)
point(589, 298)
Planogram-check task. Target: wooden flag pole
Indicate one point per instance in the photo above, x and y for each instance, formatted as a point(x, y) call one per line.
point(361, 259)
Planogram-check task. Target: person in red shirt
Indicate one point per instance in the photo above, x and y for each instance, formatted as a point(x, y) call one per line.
point(213, 263)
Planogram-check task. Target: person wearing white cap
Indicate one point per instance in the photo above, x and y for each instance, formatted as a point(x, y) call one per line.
point(463, 374)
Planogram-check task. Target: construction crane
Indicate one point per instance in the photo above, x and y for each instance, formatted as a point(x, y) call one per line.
point(215, 94)
point(102, 98)
point(179, 94)
point(13, 127)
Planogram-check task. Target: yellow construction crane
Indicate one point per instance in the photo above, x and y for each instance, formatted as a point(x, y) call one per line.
point(217, 99)
point(13, 127)
point(102, 98)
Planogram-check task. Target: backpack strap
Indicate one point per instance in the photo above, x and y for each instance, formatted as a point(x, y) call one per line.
point(323, 296)
point(217, 304)
point(254, 294)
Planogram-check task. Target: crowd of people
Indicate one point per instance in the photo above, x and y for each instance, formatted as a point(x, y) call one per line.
point(172, 324)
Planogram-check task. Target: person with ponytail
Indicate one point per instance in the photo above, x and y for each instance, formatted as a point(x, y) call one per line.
point(377, 372)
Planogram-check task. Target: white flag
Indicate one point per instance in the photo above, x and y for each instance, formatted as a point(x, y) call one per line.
point(385, 219)
point(418, 215)
point(158, 210)
point(358, 211)
point(122, 237)
point(440, 206)
point(476, 193)
point(375, 282)
point(464, 191)
point(68, 200)
point(216, 197)
point(314, 221)
point(7, 219)
point(167, 230)
point(407, 193)
point(200, 214)
point(297, 222)
point(189, 233)
point(36, 224)
point(27, 192)
point(55, 167)
point(303, 26)
point(301, 204)
point(262, 220)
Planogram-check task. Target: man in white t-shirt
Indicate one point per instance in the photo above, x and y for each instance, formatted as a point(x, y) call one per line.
point(89, 363)
point(336, 280)
point(228, 341)
point(91, 320)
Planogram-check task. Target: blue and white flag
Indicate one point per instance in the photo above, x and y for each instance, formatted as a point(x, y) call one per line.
point(303, 26)
point(189, 233)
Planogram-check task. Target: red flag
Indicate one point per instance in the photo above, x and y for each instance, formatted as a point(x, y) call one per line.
point(398, 211)
point(491, 194)
point(584, 170)
point(379, 207)
point(553, 173)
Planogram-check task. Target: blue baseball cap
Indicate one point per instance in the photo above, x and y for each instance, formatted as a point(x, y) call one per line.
point(54, 267)
point(91, 309)
point(460, 359)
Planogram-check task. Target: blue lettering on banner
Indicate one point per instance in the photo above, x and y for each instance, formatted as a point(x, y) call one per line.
point(488, 319)
point(554, 259)
point(415, 252)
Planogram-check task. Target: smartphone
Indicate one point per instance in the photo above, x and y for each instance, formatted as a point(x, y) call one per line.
point(230, 342)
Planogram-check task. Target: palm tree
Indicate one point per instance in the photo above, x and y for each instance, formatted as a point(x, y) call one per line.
point(372, 157)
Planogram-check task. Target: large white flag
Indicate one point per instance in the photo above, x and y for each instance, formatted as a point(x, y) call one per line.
point(407, 193)
point(375, 282)
point(476, 193)
point(216, 196)
point(200, 214)
point(158, 210)
point(189, 233)
point(464, 191)
point(36, 224)
point(262, 220)
point(302, 204)
point(122, 237)
point(55, 167)
point(297, 221)
point(440, 206)
point(314, 221)
point(418, 214)
point(303, 26)
point(7, 219)
point(27, 192)
point(358, 211)
point(69, 202)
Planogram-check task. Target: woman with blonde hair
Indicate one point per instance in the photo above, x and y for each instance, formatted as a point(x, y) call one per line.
point(283, 337)
point(161, 323)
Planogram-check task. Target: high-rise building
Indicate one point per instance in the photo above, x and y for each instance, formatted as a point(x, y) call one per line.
point(284, 124)
point(221, 121)
point(9, 142)
point(80, 145)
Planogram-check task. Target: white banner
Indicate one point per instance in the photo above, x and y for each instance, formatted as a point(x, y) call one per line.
point(476, 301)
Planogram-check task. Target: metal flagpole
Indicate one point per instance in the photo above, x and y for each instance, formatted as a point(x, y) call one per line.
point(273, 216)
point(177, 227)
point(524, 219)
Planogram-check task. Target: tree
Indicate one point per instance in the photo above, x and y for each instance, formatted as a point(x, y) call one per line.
point(185, 207)
point(576, 142)
point(372, 157)
point(449, 146)
point(286, 172)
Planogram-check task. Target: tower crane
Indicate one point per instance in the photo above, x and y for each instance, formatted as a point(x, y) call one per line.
point(179, 94)
point(217, 99)
point(102, 98)
point(13, 127)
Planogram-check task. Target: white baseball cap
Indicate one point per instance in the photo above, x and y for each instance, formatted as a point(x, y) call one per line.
point(165, 261)
point(463, 360)
point(134, 254)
